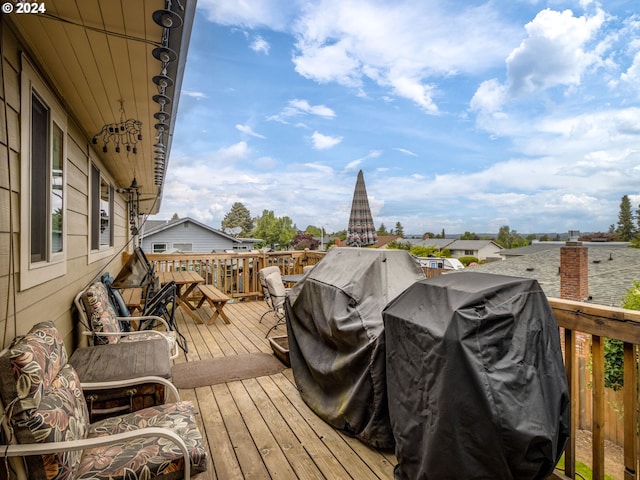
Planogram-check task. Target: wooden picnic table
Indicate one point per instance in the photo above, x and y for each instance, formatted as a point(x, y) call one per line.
point(133, 299)
point(186, 282)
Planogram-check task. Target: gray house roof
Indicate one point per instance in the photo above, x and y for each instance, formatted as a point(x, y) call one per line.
point(473, 245)
point(155, 226)
point(612, 271)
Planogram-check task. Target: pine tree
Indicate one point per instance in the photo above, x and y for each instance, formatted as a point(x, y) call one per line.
point(238, 217)
point(625, 230)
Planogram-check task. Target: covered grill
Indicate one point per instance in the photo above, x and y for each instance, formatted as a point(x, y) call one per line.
point(477, 387)
point(336, 337)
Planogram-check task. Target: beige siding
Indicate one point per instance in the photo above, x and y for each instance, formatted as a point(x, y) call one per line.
point(51, 300)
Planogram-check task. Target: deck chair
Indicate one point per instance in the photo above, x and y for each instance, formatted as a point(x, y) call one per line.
point(158, 301)
point(274, 294)
point(47, 434)
point(103, 326)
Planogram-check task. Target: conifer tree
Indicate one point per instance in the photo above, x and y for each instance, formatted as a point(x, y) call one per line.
point(625, 230)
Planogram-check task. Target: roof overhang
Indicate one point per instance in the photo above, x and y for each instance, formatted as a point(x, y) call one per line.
point(98, 55)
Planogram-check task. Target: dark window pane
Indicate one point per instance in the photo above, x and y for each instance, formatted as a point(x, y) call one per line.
point(39, 178)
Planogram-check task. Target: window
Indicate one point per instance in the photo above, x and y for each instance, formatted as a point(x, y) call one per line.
point(158, 247)
point(43, 153)
point(469, 252)
point(183, 247)
point(101, 211)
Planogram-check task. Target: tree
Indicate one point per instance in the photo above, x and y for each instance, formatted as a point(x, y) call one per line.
point(625, 230)
point(382, 231)
point(399, 229)
point(274, 231)
point(313, 231)
point(510, 238)
point(469, 236)
point(304, 240)
point(175, 217)
point(238, 217)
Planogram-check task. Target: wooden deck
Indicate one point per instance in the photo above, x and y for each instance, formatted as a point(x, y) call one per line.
point(261, 428)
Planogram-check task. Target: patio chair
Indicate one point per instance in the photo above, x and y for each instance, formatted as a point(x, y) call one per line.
point(47, 433)
point(104, 326)
point(274, 294)
point(158, 301)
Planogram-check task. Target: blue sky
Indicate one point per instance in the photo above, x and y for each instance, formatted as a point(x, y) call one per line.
point(463, 115)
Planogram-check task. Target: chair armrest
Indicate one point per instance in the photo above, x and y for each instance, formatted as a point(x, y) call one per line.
point(146, 317)
point(173, 353)
point(21, 450)
point(153, 333)
point(169, 387)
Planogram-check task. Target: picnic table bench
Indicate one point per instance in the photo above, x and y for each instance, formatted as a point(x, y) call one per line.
point(216, 300)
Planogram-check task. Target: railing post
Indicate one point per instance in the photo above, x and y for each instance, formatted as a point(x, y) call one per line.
point(597, 443)
point(572, 377)
point(630, 412)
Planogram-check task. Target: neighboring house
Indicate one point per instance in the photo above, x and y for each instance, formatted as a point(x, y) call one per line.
point(186, 235)
point(612, 270)
point(481, 249)
point(71, 78)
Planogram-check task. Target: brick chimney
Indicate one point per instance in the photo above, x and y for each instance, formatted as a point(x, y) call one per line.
point(574, 270)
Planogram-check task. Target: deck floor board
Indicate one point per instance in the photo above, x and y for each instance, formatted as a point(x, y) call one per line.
point(261, 428)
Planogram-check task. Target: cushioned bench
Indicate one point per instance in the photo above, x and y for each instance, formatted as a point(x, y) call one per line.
point(216, 299)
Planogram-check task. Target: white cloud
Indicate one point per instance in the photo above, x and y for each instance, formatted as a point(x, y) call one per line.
point(554, 52)
point(323, 142)
point(406, 152)
point(276, 14)
point(193, 94)
point(260, 45)
point(249, 131)
point(351, 42)
point(297, 107)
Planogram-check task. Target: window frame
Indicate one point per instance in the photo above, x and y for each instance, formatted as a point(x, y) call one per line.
point(157, 244)
point(96, 203)
point(54, 264)
point(183, 244)
point(103, 251)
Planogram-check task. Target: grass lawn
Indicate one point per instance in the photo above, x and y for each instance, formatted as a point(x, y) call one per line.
point(582, 470)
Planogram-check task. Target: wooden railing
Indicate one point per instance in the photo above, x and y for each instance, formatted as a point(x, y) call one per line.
point(600, 322)
point(236, 274)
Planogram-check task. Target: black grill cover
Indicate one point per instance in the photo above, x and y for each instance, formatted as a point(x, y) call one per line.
point(477, 387)
point(336, 337)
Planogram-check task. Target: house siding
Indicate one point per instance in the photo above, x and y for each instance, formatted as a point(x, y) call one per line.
point(51, 300)
point(202, 239)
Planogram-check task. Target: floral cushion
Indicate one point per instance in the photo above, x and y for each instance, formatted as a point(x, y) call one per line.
point(61, 416)
point(49, 405)
point(102, 316)
point(30, 365)
point(148, 457)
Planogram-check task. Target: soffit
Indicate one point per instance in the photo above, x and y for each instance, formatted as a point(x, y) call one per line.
point(98, 56)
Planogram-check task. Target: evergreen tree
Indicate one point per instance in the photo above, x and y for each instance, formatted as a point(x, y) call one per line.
point(238, 217)
point(399, 229)
point(175, 217)
point(625, 230)
point(382, 231)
